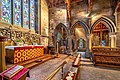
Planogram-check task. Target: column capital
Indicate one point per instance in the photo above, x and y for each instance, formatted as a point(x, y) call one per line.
point(89, 36)
point(112, 34)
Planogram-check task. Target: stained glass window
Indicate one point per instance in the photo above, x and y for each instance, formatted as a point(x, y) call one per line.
point(17, 12)
point(6, 11)
point(81, 43)
point(25, 14)
point(32, 14)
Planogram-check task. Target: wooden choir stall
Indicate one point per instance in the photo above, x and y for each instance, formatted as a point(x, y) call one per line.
point(106, 56)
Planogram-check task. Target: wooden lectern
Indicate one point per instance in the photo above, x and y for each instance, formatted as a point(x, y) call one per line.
point(2, 54)
point(16, 72)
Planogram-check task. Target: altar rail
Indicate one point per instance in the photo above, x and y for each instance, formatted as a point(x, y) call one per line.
point(56, 71)
point(106, 57)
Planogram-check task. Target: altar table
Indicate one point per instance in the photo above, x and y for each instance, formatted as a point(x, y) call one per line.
point(17, 54)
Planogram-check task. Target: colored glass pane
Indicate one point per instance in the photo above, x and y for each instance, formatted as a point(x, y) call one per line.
point(17, 12)
point(25, 14)
point(81, 43)
point(32, 14)
point(6, 11)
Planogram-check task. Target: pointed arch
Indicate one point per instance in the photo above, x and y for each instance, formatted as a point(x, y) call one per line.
point(83, 25)
point(106, 21)
point(59, 26)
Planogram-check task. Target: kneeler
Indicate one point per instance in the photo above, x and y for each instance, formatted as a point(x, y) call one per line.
point(76, 62)
point(70, 76)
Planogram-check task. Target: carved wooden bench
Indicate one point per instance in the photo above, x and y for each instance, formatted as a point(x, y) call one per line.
point(106, 57)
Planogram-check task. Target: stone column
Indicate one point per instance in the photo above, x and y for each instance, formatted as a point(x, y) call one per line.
point(87, 47)
point(70, 43)
point(116, 18)
point(113, 40)
point(39, 16)
point(118, 39)
point(2, 54)
point(90, 42)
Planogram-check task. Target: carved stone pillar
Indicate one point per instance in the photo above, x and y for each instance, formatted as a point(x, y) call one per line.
point(2, 54)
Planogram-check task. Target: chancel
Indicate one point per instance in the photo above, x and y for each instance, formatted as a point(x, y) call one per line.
point(60, 40)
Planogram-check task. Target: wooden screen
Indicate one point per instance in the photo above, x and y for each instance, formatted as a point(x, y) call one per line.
point(100, 35)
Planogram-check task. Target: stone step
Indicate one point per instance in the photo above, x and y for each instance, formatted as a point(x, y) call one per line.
point(35, 63)
point(29, 61)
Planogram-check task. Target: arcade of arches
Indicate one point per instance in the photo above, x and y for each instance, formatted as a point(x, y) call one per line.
point(45, 33)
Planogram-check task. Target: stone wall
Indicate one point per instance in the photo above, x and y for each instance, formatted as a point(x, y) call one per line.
point(102, 8)
point(79, 12)
point(57, 16)
point(44, 23)
point(80, 33)
point(118, 21)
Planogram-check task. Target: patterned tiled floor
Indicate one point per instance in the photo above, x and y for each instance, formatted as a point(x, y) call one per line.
point(87, 70)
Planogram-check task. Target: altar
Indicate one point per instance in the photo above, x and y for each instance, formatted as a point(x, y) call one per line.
point(17, 54)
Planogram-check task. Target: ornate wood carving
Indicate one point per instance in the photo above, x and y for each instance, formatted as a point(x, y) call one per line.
point(26, 37)
point(106, 57)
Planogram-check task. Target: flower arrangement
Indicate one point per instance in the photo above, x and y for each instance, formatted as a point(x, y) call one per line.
point(18, 40)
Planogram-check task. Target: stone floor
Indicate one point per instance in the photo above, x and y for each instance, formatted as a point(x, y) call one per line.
point(87, 70)
point(42, 71)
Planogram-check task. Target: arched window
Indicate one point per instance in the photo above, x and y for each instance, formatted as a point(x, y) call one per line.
point(20, 13)
point(32, 14)
point(25, 13)
point(17, 12)
point(6, 11)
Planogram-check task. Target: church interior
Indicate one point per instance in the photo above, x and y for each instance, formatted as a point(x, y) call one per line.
point(59, 39)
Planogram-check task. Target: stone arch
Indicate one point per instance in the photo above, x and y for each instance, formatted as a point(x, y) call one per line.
point(83, 25)
point(106, 21)
point(59, 46)
point(111, 28)
point(87, 32)
point(59, 26)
